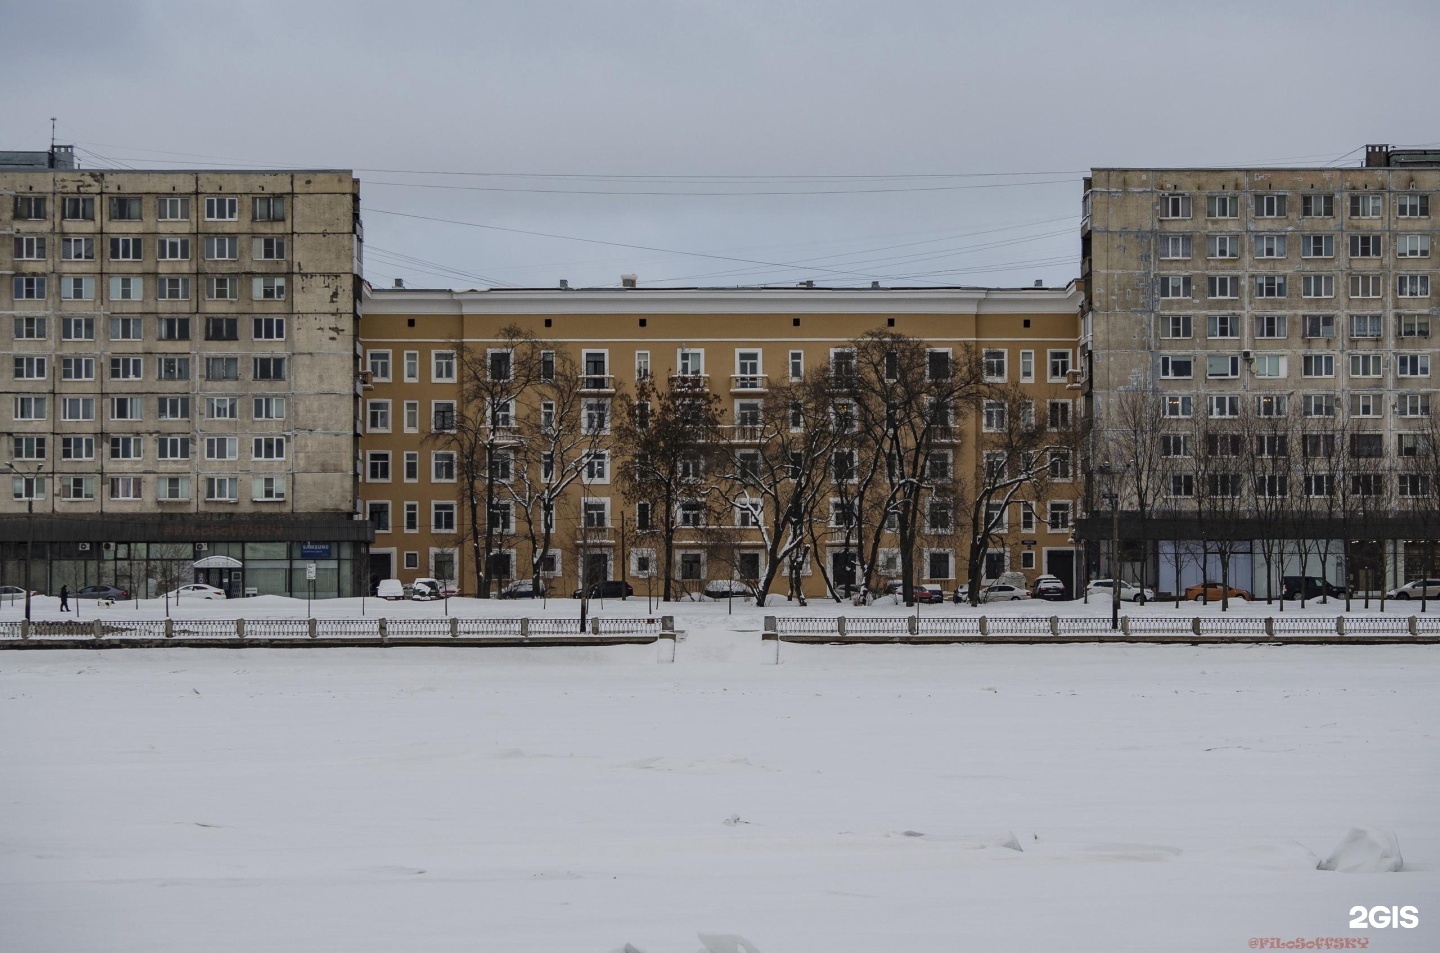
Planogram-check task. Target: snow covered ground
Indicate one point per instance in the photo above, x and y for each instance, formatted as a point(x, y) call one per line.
point(849, 799)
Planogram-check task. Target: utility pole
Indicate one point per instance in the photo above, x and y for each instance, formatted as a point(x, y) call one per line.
point(30, 526)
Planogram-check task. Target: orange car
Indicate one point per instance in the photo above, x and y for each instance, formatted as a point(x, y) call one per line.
point(1215, 591)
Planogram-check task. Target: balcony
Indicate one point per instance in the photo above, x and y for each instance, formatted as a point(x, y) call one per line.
point(749, 383)
point(944, 433)
point(689, 381)
point(367, 380)
point(1074, 379)
point(743, 433)
point(597, 383)
point(595, 536)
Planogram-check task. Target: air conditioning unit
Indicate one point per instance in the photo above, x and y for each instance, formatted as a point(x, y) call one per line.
point(108, 547)
point(201, 547)
point(83, 547)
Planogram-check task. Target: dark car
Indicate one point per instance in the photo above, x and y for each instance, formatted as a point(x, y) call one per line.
point(523, 589)
point(924, 595)
point(1050, 588)
point(609, 589)
point(1312, 587)
point(100, 592)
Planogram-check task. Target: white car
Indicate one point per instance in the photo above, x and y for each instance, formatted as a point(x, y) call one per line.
point(1416, 589)
point(1003, 592)
point(1129, 592)
point(197, 590)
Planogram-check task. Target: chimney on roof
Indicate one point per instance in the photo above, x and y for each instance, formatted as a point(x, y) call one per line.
point(874, 284)
point(1377, 157)
point(564, 285)
point(629, 281)
point(1039, 282)
point(399, 282)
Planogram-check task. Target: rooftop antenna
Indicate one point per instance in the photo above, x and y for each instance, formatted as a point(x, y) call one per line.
point(52, 133)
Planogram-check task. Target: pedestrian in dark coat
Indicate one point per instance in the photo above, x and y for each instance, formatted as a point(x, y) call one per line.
point(64, 598)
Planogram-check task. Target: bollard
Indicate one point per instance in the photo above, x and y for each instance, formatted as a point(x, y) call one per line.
point(313, 632)
point(1054, 625)
point(771, 628)
point(594, 626)
point(239, 628)
point(912, 624)
point(1195, 625)
point(840, 625)
point(525, 628)
point(169, 629)
point(667, 624)
point(1339, 625)
point(984, 626)
point(25, 628)
point(1414, 624)
point(1124, 625)
point(96, 630)
point(1270, 626)
point(665, 648)
point(454, 628)
point(384, 630)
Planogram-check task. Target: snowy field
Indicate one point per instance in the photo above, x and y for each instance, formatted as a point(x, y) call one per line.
point(850, 800)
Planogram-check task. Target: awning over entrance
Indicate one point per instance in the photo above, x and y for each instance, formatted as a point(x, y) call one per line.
point(218, 562)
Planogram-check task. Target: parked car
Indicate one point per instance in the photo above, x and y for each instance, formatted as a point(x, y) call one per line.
point(426, 590)
point(523, 589)
point(14, 592)
point(609, 589)
point(1129, 592)
point(1416, 589)
point(100, 592)
point(197, 590)
point(924, 594)
point(390, 589)
point(1215, 591)
point(1003, 592)
point(1048, 587)
point(1309, 587)
point(729, 589)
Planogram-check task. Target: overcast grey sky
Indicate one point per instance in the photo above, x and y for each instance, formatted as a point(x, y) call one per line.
point(719, 143)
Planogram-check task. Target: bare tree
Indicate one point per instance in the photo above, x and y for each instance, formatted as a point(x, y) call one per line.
point(1418, 486)
point(1267, 434)
point(1222, 498)
point(1134, 429)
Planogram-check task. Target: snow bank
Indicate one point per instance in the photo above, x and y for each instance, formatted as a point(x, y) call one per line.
point(1365, 850)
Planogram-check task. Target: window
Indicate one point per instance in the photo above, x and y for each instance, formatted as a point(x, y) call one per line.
point(1365, 365)
point(222, 489)
point(1271, 405)
point(268, 408)
point(1222, 206)
point(411, 466)
point(596, 466)
point(1223, 285)
point(1175, 326)
point(1174, 445)
point(30, 247)
point(268, 289)
point(30, 368)
point(1222, 365)
point(642, 516)
point(77, 249)
point(379, 365)
point(692, 362)
point(1317, 246)
point(222, 448)
point(442, 517)
point(125, 369)
point(1175, 205)
point(1224, 326)
point(412, 416)
point(1271, 326)
point(269, 329)
point(126, 288)
point(1317, 286)
point(1413, 405)
point(30, 208)
point(1320, 484)
point(442, 367)
point(994, 361)
point(1060, 465)
point(378, 416)
point(267, 208)
point(1317, 206)
point(1366, 205)
point(1412, 365)
point(77, 329)
point(595, 416)
point(1367, 445)
point(125, 408)
point(1317, 326)
point(221, 208)
point(1414, 484)
point(1027, 521)
point(77, 208)
point(379, 514)
point(1178, 405)
point(125, 329)
point(1057, 517)
point(1412, 286)
point(442, 416)
point(222, 248)
point(994, 415)
point(937, 364)
point(1177, 367)
point(1270, 286)
point(1223, 445)
point(1365, 246)
point(1059, 365)
point(77, 288)
point(1223, 485)
point(1414, 325)
point(29, 407)
point(222, 368)
point(1182, 484)
point(378, 466)
point(222, 288)
point(267, 249)
point(1412, 246)
point(30, 327)
point(1319, 446)
point(1365, 405)
point(1365, 325)
point(1407, 205)
point(76, 487)
point(126, 488)
point(797, 365)
point(939, 464)
point(1174, 286)
point(1364, 286)
point(173, 208)
point(28, 448)
point(595, 513)
point(1270, 204)
point(1272, 445)
point(412, 366)
point(77, 368)
point(1269, 365)
point(1175, 246)
point(222, 408)
point(172, 249)
point(442, 466)
point(125, 208)
point(222, 329)
point(269, 368)
point(1225, 405)
point(938, 516)
point(172, 448)
point(173, 408)
point(1222, 246)
point(173, 329)
point(267, 489)
point(1269, 246)
point(412, 519)
point(168, 288)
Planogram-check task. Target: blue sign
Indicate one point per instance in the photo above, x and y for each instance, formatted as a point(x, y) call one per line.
point(315, 551)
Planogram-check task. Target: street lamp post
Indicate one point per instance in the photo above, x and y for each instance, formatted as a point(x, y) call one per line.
point(29, 530)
